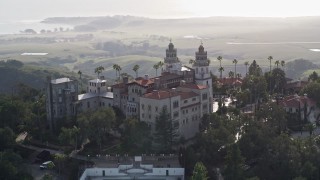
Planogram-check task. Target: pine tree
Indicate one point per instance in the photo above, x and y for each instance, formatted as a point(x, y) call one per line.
point(165, 135)
point(199, 172)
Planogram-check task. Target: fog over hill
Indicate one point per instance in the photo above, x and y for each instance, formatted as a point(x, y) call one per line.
point(129, 40)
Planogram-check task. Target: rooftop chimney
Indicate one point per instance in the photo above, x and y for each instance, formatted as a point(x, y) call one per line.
point(182, 82)
point(157, 83)
point(146, 76)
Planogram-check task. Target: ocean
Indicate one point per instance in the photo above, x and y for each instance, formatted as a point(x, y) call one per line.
point(14, 27)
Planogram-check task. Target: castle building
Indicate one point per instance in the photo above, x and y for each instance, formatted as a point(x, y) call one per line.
point(186, 92)
point(62, 95)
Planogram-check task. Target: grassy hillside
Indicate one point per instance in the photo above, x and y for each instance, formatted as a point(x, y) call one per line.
point(31, 74)
point(128, 40)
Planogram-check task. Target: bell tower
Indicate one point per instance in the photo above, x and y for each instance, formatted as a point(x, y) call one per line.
point(171, 61)
point(202, 72)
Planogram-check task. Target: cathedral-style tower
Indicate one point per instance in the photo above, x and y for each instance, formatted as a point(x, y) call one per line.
point(171, 61)
point(202, 72)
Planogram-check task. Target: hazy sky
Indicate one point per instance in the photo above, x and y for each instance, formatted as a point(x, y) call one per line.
point(40, 9)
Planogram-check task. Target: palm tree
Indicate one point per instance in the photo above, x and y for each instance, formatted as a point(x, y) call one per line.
point(270, 59)
point(80, 73)
point(231, 74)
point(246, 64)
point(156, 67)
point(118, 69)
point(277, 63)
point(220, 59)
point(239, 75)
point(115, 68)
point(191, 61)
point(135, 69)
point(160, 63)
point(283, 63)
point(235, 61)
point(98, 70)
point(220, 70)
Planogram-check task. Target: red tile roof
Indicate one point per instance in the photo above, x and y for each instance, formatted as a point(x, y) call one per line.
point(168, 76)
point(296, 84)
point(119, 85)
point(187, 95)
point(194, 86)
point(143, 82)
point(294, 101)
point(160, 94)
point(230, 81)
point(163, 94)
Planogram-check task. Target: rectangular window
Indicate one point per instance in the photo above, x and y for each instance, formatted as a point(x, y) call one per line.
point(194, 99)
point(156, 108)
point(60, 99)
point(175, 104)
point(175, 114)
point(185, 101)
point(142, 106)
point(205, 107)
point(88, 104)
point(204, 96)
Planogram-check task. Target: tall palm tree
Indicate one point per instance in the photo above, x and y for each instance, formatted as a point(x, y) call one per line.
point(119, 70)
point(220, 59)
point(277, 63)
point(156, 67)
point(270, 59)
point(80, 74)
point(246, 64)
point(235, 61)
point(220, 70)
point(283, 63)
point(98, 70)
point(135, 69)
point(115, 68)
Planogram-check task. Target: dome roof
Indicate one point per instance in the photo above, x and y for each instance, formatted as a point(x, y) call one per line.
point(201, 48)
